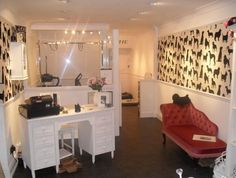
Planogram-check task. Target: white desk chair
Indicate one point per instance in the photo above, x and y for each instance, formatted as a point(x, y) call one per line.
point(66, 149)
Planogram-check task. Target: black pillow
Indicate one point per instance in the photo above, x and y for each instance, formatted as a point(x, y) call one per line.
point(181, 100)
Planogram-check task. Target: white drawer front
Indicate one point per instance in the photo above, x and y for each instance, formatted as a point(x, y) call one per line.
point(40, 164)
point(103, 140)
point(44, 141)
point(104, 148)
point(43, 130)
point(103, 121)
point(45, 157)
point(46, 152)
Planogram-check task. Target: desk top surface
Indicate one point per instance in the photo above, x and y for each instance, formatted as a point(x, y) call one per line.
point(69, 111)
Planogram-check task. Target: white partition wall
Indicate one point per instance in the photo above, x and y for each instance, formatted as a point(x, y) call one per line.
point(116, 83)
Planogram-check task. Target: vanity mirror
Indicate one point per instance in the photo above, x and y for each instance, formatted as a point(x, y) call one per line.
point(65, 55)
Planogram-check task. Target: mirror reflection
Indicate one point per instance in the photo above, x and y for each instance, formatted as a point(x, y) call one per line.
point(70, 58)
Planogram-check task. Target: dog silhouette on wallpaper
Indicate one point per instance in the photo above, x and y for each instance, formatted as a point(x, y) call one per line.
point(224, 76)
point(199, 54)
point(205, 57)
point(185, 40)
point(195, 41)
point(191, 60)
point(210, 90)
point(213, 83)
point(187, 55)
point(229, 50)
point(196, 64)
point(206, 79)
point(220, 55)
point(202, 38)
point(226, 61)
point(190, 72)
point(214, 47)
point(209, 69)
point(230, 75)
point(197, 32)
point(4, 40)
point(212, 56)
point(210, 34)
point(216, 72)
point(225, 38)
point(217, 35)
point(193, 52)
point(201, 72)
point(190, 42)
point(207, 44)
point(204, 90)
point(227, 89)
point(199, 86)
point(219, 90)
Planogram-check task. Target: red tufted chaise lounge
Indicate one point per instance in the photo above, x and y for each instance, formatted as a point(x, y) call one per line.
point(180, 123)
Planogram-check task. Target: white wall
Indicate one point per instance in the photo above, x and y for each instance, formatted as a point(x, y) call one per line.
point(139, 61)
point(216, 108)
point(9, 111)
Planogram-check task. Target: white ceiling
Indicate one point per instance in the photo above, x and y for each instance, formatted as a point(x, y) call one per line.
point(117, 13)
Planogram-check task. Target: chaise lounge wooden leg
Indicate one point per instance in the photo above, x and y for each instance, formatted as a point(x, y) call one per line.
point(164, 138)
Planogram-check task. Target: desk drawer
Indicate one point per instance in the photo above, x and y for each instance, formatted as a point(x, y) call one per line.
point(103, 121)
point(44, 141)
point(45, 152)
point(43, 130)
point(40, 164)
point(104, 149)
point(103, 140)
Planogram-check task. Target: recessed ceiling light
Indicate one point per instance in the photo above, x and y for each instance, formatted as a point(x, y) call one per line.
point(66, 32)
point(156, 3)
point(64, 1)
point(61, 19)
point(73, 32)
point(134, 19)
point(144, 12)
point(83, 32)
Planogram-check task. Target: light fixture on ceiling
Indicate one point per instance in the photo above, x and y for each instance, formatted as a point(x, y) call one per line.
point(83, 32)
point(156, 3)
point(66, 32)
point(73, 32)
point(64, 1)
point(60, 19)
point(144, 13)
point(134, 19)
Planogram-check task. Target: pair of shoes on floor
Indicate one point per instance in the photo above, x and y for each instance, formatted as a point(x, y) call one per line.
point(70, 165)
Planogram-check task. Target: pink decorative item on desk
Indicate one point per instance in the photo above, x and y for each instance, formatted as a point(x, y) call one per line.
point(95, 83)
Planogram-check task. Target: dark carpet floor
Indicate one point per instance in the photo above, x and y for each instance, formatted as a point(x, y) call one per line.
point(139, 154)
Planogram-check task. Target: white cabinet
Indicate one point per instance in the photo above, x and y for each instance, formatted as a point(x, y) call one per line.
point(231, 142)
point(38, 144)
point(99, 137)
point(18, 61)
point(147, 98)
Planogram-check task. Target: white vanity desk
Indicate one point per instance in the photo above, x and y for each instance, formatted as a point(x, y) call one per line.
point(40, 141)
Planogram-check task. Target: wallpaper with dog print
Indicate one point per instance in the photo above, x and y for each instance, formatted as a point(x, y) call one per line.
point(8, 88)
point(199, 59)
